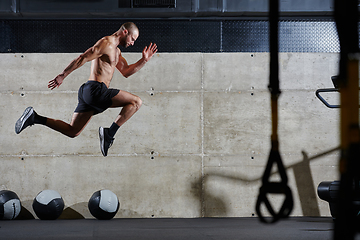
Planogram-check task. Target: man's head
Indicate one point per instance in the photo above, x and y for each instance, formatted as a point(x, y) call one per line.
point(129, 34)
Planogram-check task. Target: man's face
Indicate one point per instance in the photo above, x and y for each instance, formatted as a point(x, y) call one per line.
point(129, 38)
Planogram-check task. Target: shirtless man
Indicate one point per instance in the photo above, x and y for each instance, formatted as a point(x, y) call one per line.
point(95, 96)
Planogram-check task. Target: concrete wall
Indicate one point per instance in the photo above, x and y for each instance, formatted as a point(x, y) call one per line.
point(197, 147)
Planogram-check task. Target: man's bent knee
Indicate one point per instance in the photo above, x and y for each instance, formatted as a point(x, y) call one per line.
point(135, 102)
point(73, 134)
point(138, 102)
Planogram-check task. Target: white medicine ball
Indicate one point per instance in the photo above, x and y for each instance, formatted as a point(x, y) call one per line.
point(103, 204)
point(48, 205)
point(10, 205)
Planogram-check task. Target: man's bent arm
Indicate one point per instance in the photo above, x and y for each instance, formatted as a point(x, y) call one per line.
point(78, 62)
point(88, 55)
point(128, 70)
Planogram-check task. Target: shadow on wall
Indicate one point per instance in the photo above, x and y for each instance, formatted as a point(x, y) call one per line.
point(215, 206)
point(24, 213)
point(68, 213)
point(72, 212)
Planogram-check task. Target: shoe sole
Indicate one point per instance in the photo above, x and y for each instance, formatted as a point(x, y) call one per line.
point(20, 122)
point(102, 140)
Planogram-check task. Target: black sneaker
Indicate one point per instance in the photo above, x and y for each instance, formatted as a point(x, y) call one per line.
point(27, 119)
point(105, 140)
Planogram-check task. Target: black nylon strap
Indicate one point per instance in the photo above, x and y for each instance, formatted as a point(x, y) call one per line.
point(280, 187)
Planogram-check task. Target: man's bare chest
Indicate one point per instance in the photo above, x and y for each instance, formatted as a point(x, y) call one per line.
point(110, 59)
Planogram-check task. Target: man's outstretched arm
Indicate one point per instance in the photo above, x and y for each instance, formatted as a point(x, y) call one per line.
point(128, 70)
point(88, 55)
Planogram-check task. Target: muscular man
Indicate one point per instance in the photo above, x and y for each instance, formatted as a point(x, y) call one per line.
point(95, 96)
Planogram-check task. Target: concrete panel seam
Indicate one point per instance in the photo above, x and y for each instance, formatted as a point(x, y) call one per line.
point(157, 92)
point(202, 155)
point(37, 92)
point(202, 137)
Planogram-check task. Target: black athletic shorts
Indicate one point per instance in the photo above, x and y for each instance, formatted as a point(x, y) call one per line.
point(95, 96)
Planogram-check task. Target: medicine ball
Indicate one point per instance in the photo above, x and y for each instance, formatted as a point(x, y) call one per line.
point(48, 205)
point(10, 205)
point(103, 205)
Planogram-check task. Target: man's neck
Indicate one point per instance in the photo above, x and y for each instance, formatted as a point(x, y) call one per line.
point(117, 37)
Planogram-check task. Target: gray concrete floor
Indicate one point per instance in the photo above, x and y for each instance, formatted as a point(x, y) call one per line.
point(171, 229)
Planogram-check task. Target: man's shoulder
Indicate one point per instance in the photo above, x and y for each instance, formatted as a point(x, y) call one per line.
point(110, 41)
point(107, 43)
point(105, 40)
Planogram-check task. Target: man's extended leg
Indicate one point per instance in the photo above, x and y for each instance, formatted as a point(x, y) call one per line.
point(130, 104)
point(78, 122)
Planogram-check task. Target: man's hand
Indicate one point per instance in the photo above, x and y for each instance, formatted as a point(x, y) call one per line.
point(56, 82)
point(128, 70)
point(148, 52)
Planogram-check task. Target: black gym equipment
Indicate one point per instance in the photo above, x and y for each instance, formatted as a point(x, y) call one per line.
point(10, 205)
point(48, 205)
point(329, 191)
point(335, 80)
point(103, 204)
point(281, 186)
point(344, 196)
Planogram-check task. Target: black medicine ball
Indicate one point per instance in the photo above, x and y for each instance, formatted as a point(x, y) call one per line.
point(10, 205)
point(103, 205)
point(48, 205)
